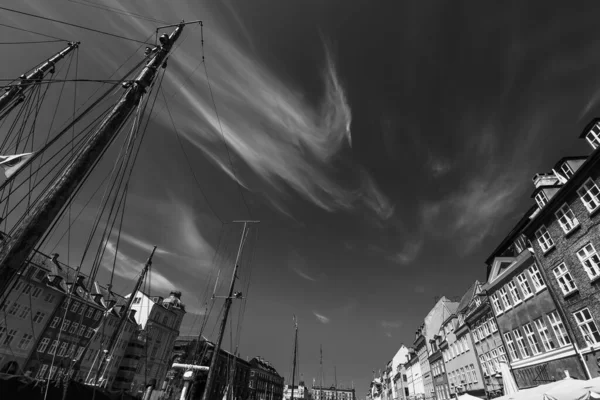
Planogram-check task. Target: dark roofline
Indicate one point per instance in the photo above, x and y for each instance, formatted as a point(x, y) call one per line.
point(569, 158)
point(518, 228)
point(567, 189)
point(588, 127)
point(537, 189)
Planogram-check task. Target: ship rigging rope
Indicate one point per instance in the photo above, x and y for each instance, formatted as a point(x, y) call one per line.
point(34, 42)
point(117, 11)
point(73, 25)
point(36, 33)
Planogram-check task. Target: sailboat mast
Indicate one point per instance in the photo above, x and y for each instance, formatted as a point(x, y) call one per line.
point(124, 315)
point(335, 381)
point(321, 364)
point(26, 80)
point(213, 362)
point(295, 353)
point(16, 250)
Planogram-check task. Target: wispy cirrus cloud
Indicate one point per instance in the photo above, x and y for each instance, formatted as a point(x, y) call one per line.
point(321, 318)
point(409, 252)
point(303, 274)
point(391, 324)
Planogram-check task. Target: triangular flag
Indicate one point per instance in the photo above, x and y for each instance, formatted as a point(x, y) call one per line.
point(12, 164)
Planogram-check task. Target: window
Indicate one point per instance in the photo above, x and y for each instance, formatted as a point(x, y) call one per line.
point(590, 261)
point(49, 298)
point(525, 288)
point(25, 341)
point(536, 278)
point(592, 137)
point(533, 342)
point(24, 312)
point(53, 347)
point(5, 305)
point(82, 309)
point(587, 326)
point(65, 324)
point(485, 329)
point(97, 316)
point(55, 322)
point(544, 239)
point(493, 326)
point(71, 351)
point(504, 298)
point(75, 306)
point(38, 317)
point(27, 289)
point(89, 312)
point(62, 349)
point(541, 198)
point(559, 329)
point(496, 304)
point(566, 218)
point(74, 327)
point(137, 300)
point(521, 343)
point(589, 194)
point(43, 345)
point(502, 354)
point(514, 293)
point(79, 352)
point(465, 343)
point(494, 360)
point(473, 374)
point(14, 309)
point(42, 372)
point(89, 332)
point(65, 304)
point(10, 336)
point(52, 372)
point(542, 329)
point(36, 292)
point(566, 170)
point(564, 279)
point(81, 330)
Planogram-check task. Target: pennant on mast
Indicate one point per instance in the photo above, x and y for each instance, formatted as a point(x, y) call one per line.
point(12, 164)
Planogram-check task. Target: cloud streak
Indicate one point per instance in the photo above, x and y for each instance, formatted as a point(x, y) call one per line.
point(321, 318)
point(391, 324)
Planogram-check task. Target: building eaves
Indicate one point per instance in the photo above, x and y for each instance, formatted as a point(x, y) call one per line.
point(588, 127)
point(516, 230)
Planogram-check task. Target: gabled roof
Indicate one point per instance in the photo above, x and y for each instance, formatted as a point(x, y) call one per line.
point(467, 296)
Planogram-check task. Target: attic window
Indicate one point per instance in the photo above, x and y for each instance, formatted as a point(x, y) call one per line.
point(137, 300)
point(541, 199)
point(565, 168)
point(593, 136)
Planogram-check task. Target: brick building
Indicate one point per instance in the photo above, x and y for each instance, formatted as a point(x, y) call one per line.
point(487, 342)
point(533, 331)
point(565, 236)
point(265, 383)
point(332, 393)
point(438, 369)
point(459, 353)
point(25, 314)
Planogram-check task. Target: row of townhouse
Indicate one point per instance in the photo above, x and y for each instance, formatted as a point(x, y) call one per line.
point(56, 322)
point(537, 314)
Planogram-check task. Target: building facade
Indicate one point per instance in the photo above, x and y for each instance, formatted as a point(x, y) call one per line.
point(299, 391)
point(333, 393)
point(414, 381)
point(565, 237)
point(24, 316)
point(401, 380)
point(265, 382)
point(438, 370)
point(159, 320)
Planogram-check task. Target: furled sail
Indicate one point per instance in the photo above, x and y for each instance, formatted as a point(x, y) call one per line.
point(12, 164)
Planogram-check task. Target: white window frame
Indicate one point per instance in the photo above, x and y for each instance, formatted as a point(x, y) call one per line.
point(590, 260)
point(566, 218)
point(568, 171)
point(521, 345)
point(496, 304)
point(536, 277)
point(514, 293)
point(593, 137)
point(525, 286)
point(590, 191)
point(541, 199)
point(544, 239)
point(504, 298)
point(564, 279)
point(558, 327)
point(542, 329)
point(493, 326)
point(587, 326)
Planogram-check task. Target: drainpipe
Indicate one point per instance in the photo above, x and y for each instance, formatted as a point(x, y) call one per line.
point(561, 311)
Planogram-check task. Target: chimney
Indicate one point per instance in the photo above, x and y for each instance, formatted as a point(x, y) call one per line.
point(541, 180)
point(132, 314)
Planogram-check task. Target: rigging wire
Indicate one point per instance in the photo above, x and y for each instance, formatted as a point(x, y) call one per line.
point(34, 42)
point(36, 33)
point(73, 25)
point(212, 97)
point(117, 11)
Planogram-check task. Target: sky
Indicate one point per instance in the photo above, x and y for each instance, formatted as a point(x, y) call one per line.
point(386, 147)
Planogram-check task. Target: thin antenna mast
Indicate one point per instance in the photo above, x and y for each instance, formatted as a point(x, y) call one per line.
point(228, 300)
point(295, 352)
point(321, 366)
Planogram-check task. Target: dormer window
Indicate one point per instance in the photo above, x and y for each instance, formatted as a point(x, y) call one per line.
point(541, 199)
point(593, 136)
point(565, 168)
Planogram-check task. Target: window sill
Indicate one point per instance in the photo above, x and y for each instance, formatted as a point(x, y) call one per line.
point(571, 293)
point(528, 297)
point(540, 289)
point(594, 212)
point(572, 231)
point(595, 280)
point(549, 250)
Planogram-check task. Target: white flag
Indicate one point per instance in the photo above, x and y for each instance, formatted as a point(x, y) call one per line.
point(12, 164)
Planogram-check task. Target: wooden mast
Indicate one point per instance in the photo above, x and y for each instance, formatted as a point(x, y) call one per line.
point(321, 364)
point(16, 250)
point(228, 300)
point(124, 315)
point(295, 354)
point(17, 89)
